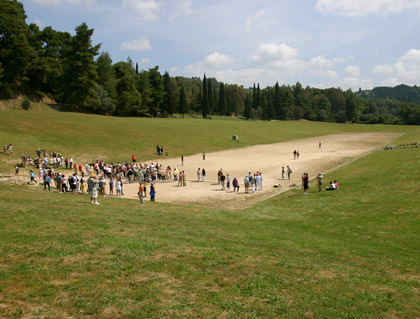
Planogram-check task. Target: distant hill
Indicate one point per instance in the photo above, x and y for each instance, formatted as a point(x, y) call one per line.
point(403, 93)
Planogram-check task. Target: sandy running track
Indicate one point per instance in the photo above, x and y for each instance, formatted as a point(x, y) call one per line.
point(336, 150)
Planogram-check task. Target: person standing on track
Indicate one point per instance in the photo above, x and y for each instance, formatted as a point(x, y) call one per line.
point(289, 172)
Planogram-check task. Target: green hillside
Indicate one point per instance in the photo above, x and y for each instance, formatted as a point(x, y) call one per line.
point(403, 93)
point(352, 253)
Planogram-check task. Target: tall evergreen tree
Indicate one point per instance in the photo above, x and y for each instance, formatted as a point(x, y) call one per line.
point(144, 88)
point(352, 106)
point(267, 105)
point(183, 104)
point(129, 102)
point(211, 97)
point(254, 97)
point(248, 106)
point(205, 98)
point(170, 103)
point(106, 74)
point(287, 102)
point(158, 91)
point(222, 107)
point(277, 102)
point(258, 96)
point(15, 51)
point(79, 79)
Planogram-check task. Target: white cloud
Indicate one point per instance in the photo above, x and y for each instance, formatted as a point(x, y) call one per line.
point(275, 52)
point(180, 8)
point(322, 61)
point(57, 2)
point(352, 70)
point(147, 8)
point(271, 63)
point(141, 44)
point(244, 77)
point(354, 8)
point(332, 74)
point(217, 59)
point(253, 18)
point(385, 68)
point(406, 69)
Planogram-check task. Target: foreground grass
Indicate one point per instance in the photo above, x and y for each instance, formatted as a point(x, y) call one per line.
point(352, 253)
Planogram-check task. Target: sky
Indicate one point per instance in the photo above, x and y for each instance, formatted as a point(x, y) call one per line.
point(321, 43)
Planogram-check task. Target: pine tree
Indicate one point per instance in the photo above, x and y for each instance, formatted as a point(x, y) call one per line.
point(80, 76)
point(15, 51)
point(158, 91)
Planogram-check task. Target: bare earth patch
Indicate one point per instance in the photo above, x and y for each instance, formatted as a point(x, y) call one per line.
point(336, 150)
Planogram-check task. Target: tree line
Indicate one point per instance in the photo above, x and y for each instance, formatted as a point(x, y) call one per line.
point(74, 73)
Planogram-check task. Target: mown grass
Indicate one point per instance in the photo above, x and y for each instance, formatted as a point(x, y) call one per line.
point(89, 137)
point(351, 253)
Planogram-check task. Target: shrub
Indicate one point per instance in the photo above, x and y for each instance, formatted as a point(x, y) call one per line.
point(26, 103)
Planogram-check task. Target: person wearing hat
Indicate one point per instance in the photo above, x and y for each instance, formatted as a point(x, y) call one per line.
point(320, 179)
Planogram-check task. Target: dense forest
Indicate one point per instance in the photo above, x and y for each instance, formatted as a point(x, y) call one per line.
point(71, 71)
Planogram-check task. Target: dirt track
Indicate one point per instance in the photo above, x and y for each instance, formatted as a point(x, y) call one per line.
point(336, 150)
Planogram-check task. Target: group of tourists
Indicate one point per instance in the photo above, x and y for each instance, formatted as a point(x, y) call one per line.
point(251, 181)
point(98, 178)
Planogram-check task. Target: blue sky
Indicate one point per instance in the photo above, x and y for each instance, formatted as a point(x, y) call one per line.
point(322, 43)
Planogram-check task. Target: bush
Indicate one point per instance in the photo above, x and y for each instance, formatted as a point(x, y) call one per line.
point(25, 104)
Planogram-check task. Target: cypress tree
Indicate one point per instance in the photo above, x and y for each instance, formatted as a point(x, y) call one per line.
point(258, 96)
point(211, 98)
point(205, 99)
point(182, 105)
point(277, 101)
point(222, 100)
point(170, 103)
point(248, 106)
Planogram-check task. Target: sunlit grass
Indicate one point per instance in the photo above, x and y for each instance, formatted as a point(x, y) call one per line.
point(351, 253)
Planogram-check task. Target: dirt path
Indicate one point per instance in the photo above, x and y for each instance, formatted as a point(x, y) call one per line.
point(336, 150)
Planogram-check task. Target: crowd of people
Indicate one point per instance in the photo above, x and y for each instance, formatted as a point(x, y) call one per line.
point(252, 181)
point(107, 179)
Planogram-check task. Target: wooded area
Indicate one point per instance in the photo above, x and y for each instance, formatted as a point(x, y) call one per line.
point(72, 72)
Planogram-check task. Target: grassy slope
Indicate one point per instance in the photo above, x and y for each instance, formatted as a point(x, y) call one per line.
point(88, 137)
point(346, 254)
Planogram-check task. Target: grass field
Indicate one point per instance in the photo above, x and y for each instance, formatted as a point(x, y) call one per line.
point(353, 253)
